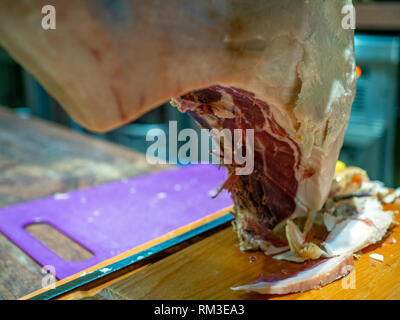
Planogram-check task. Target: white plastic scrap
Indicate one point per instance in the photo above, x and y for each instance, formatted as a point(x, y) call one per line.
point(376, 256)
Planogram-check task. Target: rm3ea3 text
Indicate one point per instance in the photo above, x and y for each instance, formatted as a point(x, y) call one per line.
point(201, 309)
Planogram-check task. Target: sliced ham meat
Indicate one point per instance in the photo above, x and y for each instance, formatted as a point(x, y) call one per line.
point(285, 174)
point(312, 275)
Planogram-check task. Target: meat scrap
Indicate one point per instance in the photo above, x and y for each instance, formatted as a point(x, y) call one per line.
point(313, 276)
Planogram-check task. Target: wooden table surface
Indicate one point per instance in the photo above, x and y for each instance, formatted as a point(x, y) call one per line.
point(38, 159)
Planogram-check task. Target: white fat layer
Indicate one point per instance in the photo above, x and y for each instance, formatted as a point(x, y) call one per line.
point(353, 234)
point(337, 91)
point(290, 256)
point(269, 249)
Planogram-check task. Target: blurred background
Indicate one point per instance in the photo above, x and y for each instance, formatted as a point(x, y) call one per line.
point(372, 139)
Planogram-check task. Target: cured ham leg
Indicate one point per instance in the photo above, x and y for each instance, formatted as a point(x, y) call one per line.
point(281, 67)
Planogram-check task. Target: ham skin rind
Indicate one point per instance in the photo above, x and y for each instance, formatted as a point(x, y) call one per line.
point(309, 277)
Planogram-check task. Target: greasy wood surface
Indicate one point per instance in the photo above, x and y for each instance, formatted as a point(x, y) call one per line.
point(207, 270)
point(38, 159)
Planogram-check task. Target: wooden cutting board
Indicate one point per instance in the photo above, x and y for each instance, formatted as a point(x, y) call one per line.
point(209, 268)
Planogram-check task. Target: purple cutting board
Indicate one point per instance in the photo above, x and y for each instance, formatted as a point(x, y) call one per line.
point(115, 217)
